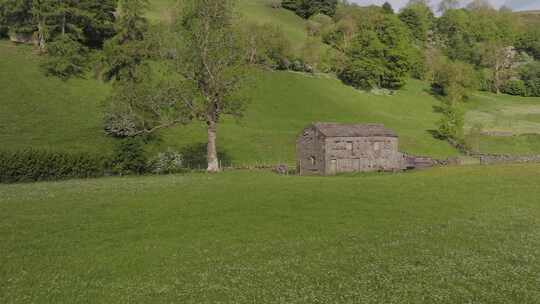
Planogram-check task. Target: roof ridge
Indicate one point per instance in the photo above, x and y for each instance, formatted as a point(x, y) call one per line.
point(332, 129)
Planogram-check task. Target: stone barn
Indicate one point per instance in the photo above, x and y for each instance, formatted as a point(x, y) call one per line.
point(331, 148)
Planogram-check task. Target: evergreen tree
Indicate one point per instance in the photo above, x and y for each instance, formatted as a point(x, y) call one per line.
point(15, 16)
point(308, 8)
point(99, 20)
point(387, 8)
point(126, 50)
point(72, 26)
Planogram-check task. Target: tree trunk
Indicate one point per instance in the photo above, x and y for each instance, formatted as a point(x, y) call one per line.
point(63, 25)
point(497, 81)
point(41, 38)
point(213, 162)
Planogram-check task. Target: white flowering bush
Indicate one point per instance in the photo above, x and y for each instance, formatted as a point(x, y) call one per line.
point(167, 162)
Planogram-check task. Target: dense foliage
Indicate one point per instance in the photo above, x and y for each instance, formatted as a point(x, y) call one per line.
point(267, 45)
point(378, 51)
point(530, 74)
point(308, 8)
point(39, 165)
point(419, 18)
point(529, 41)
point(126, 50)
point(64, 30)
point(128, 158)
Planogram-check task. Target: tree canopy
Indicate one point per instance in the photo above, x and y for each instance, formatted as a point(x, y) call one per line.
point(308, 8)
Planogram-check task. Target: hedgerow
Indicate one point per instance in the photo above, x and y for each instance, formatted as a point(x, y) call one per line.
point(40, 165)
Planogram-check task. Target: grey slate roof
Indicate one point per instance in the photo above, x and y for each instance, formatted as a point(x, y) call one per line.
point(353, 130)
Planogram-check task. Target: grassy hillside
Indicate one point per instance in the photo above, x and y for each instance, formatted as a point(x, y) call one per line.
point(448, 235)
point(258, 11)
point(45, 112)
point(283, 103)
point(42, 112)
point(530, 17)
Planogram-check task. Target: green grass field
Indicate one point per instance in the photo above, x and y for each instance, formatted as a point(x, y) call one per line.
point(513, 122)
point(448, 235)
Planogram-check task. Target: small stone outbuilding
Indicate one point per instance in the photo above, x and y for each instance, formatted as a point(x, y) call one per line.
point(331, 148)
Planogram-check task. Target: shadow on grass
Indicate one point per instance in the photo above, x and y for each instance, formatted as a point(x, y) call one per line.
point(435, 134)
point(195, 156)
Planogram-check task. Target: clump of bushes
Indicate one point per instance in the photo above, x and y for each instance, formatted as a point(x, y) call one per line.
point(528, 83)
point(268, 46)
point(530, 74)
point(38, 165)
point(308, 8)
point(167, 162)
point(128, 158)
point(515, 87)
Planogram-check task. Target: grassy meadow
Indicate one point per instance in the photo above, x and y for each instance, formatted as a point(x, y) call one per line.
point(445, 235)
point(508, 124)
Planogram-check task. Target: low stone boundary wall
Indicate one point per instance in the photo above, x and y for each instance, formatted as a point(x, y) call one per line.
point(483, 159)
point(508, 159)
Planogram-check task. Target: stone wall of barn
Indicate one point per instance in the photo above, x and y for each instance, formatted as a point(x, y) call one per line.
point(310, 152)
point(362, 154)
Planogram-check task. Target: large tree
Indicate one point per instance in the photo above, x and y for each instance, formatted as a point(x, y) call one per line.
point(211, 60)
point(379, 55)
point(417, 15)
point(196, 73)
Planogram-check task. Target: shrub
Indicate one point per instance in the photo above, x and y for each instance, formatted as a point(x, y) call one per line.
point(3, 31)
point(275, 4)
point(451, 124)
point(530, 74)
point(167, 162)
point(118, 123)
point(485, 80)
point(267, 45)
point(319, 24)
point(454, 80)
point(66, 58)
point(38, 165)
point(129, 157)
point(515, 87)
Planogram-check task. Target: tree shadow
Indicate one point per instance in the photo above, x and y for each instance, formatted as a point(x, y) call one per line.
point(195, 156)
point(435, 134)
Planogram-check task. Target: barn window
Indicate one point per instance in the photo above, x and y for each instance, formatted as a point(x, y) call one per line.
point(349, 145)
point(312, 160)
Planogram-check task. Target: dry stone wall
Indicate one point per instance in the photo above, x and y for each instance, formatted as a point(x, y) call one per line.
point(490, 159)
